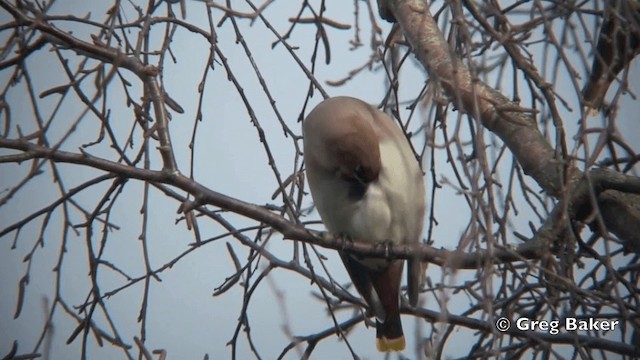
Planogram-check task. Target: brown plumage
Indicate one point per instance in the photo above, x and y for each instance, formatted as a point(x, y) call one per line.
point(367, 185)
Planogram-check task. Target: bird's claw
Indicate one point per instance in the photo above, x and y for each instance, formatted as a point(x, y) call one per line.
point(344, 238)
point(387, 244)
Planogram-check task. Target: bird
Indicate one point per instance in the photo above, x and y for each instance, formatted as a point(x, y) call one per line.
point(367, 185)
point(618, 43)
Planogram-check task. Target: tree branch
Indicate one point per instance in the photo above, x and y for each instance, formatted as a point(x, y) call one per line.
point(551, 231)
point(510, 122)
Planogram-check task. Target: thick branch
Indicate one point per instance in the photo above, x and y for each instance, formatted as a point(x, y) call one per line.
point(497, 113)
point(513, 124)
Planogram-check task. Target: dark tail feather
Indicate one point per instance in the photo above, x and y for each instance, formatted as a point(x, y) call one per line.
point(389, 336)
point(414, 280)
point(380, 287)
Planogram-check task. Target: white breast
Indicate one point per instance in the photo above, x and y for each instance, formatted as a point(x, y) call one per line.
point(390, 210)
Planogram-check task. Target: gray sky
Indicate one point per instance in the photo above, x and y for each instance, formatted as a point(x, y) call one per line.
point(183, 317)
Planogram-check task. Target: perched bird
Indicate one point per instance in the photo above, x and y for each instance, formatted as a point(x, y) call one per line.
point(367, 186)
point(618, 43)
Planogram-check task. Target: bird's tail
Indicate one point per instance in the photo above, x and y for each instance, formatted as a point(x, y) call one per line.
point(389, 336)
point(386, 284)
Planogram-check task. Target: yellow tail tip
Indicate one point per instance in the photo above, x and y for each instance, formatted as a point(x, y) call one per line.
point(386, 345)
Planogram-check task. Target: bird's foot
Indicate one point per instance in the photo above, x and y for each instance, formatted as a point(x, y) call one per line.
point(344, 238)
point(386, 244)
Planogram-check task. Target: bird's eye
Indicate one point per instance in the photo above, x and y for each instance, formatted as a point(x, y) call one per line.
point(361, 174)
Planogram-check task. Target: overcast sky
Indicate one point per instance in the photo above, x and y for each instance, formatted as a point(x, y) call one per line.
point(183, 317)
